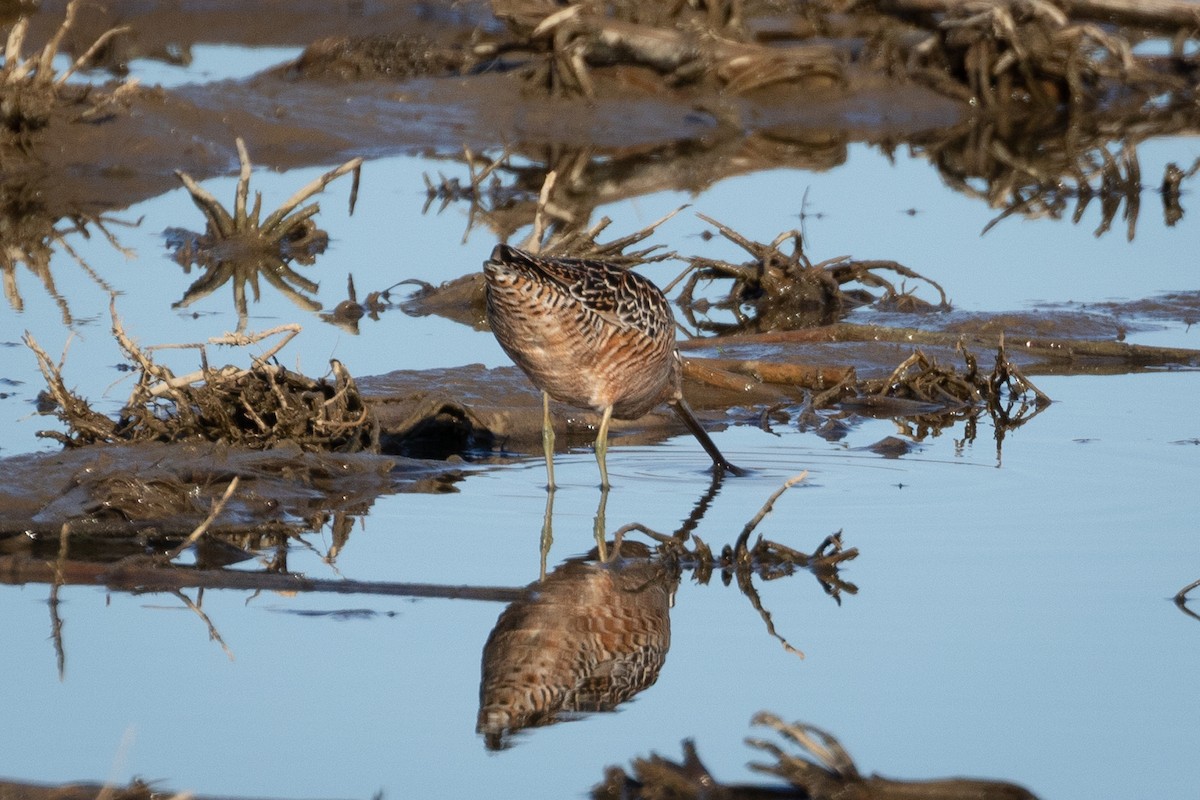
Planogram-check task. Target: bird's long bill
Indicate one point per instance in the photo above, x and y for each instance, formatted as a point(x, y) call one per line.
point(693, 425)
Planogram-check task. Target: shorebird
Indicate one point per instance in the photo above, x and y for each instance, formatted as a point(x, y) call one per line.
point(591, 335)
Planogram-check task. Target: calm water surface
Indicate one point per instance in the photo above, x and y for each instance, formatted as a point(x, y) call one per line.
point(1013, 618)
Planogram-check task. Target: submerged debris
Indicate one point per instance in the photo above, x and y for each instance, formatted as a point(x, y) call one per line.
point(258, 407)
point(237, 248)
point(822, 771)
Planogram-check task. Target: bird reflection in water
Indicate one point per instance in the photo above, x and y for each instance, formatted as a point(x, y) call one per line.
point(588, 637)
point(595, 631)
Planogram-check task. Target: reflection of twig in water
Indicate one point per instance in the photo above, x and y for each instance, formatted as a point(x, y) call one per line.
point(1181, 599)
point(1173, 178)
point(1038, 170)
point(30, 232)
point(213, 634)
point(143, 577)
point(768, 559)
point(1118, 181)
point(56, 623)
point(821, 564)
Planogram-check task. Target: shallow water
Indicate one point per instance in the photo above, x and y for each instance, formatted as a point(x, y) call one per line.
point(1012, 621)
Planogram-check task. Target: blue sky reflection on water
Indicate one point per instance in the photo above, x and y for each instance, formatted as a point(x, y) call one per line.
point(1012, 622)
point(1008, 624)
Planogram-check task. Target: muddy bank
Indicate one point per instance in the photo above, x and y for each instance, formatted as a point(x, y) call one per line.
point(406, 77)
point(161, 492)
point(927, 372)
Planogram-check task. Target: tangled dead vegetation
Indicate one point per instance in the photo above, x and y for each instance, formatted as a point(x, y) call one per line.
point(822, 770)
point(681, 43)
point(258, 407)
point(237, 248)
point(31, 91)
point(927, 397)
point(564, 49)
point(777, 290)
point(998, 55)
point(921, 379)
point(1043, 53)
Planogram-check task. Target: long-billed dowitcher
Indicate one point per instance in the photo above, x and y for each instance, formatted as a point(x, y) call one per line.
point(591, 335)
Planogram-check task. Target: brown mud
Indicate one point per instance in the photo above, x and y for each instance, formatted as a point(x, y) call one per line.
point(401, 99)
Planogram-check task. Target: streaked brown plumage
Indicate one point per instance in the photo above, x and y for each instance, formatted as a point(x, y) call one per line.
point(587, 638)
point(591, 335)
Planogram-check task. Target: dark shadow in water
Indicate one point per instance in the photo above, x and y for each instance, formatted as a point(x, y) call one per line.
point(595, 631)
point(822, 770)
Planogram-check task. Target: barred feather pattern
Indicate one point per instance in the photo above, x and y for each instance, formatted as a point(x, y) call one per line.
point(589, 334)
point(586, 638)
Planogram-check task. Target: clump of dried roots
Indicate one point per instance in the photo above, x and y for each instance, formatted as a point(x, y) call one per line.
point(923, 380)
point(237, 247)
point(1032, 53)
point(821, 770)
point(257, 407)
point(780, 290)
point(30, 89)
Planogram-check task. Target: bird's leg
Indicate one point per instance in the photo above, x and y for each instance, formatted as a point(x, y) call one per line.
point(548, 441)
point(602, 447)
point(693, 425)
